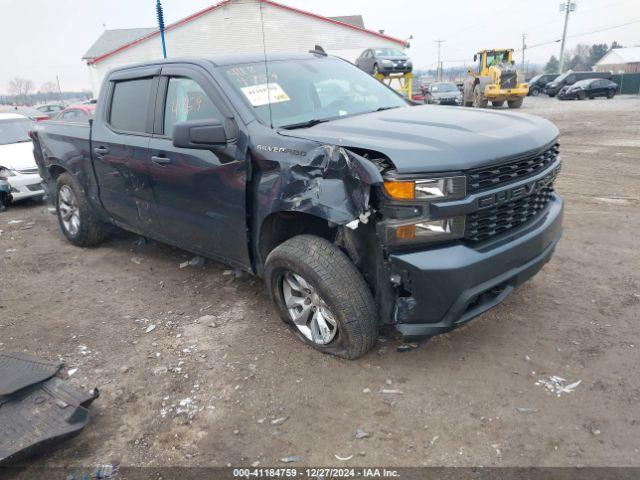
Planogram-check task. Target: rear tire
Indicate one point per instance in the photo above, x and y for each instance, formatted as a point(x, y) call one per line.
point(329, 277)
point(611, 94)
point(515, 103)
point(77, 220)
point(581, 95)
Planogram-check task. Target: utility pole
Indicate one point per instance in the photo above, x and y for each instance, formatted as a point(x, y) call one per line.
point(439, 71)
point(59, 89)
point(567, 7)
point(524, 47)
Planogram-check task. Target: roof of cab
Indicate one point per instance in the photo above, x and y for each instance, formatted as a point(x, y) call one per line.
point(227, 60)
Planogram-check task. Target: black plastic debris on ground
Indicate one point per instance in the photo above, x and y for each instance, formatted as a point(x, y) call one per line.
point(40, 409)
point(18, 370)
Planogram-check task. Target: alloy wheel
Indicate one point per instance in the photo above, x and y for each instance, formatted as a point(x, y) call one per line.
point(69, 210)
point(308, 311)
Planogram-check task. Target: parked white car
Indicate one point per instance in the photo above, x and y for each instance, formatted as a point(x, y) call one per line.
point(17, 165)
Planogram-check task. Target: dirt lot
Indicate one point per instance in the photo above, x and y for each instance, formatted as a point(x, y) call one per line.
point(205, 392)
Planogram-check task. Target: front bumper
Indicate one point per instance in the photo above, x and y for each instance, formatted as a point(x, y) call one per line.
point(25, 186)
point(451, 285)
point(494, 92)
point(395, 69)
point(567, 95)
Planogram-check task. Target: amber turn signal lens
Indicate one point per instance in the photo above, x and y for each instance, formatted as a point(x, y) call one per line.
point(406, 232)
point(401, 190)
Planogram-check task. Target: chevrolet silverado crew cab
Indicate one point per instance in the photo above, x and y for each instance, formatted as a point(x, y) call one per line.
point(356, 207)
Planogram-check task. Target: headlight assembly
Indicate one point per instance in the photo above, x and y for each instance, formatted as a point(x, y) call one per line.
point(420, 228)
point(425, 231)
point(433, 189)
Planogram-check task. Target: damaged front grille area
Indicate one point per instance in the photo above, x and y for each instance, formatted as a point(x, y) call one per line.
point(496, 175)
point(487, 223)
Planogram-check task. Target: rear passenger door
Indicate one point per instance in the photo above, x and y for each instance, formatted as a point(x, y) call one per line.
point(120, 147)
point(199, 194)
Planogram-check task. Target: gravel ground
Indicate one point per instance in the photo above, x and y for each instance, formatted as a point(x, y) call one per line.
point(220, 380)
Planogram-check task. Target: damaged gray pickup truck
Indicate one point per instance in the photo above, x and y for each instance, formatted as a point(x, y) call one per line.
point(357, 208)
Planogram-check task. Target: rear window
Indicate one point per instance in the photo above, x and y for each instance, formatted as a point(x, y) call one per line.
point(129, 105)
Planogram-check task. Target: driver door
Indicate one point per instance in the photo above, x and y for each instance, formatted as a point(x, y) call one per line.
point(199, 193)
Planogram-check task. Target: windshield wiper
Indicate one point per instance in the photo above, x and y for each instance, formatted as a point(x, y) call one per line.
point(307, 124)
point(386, 108)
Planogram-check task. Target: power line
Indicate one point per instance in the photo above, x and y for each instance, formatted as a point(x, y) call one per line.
point(582, 34)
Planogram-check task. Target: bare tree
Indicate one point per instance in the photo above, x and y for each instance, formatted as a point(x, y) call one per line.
point(49, 90)
point(21, 88)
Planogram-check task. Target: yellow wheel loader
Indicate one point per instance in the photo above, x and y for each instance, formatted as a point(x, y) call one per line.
point(494, 79)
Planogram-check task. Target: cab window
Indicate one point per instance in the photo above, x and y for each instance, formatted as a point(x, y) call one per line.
point(187, 101)
point(129, 105)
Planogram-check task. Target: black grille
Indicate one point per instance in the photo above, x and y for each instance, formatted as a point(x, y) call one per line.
point(496, 175)
point(484, 224)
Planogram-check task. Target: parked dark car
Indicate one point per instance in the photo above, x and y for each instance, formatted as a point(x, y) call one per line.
point(443, 93)
point(384, 61)
point(358, 208)
point(590, 88)
point(569, 78)
point(537, 83)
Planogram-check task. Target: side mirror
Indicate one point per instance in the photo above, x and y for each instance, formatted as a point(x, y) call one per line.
point(201, 134)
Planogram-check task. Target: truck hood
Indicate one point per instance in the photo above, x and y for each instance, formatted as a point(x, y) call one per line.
point(436, 139)
point(17, 156)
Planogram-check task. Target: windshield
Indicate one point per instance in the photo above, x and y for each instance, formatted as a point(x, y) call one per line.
point(496, 58)
point(562, 77)
point(14, 131)
point(388, 52)
point(444, 87)
point(309, 90)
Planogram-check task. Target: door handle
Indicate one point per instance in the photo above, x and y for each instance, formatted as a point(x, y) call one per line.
point(160, 160)
point(101, 150)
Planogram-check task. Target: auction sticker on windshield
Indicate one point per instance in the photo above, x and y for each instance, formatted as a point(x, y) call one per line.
point(262, 94)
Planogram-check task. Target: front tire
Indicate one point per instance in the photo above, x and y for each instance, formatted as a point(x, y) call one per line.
point(497, 104)
point(535, 92)
point(515, 103)
point(581, 95)
point(322, 297)
point(610, 94)
point(77, 220)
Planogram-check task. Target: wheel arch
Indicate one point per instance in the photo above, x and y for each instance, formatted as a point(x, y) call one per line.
point(280, 226)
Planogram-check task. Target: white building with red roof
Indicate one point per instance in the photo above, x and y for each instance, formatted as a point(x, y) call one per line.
point(236, 26)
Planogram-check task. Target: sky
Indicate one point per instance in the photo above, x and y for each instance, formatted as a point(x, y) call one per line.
point(44, 38)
